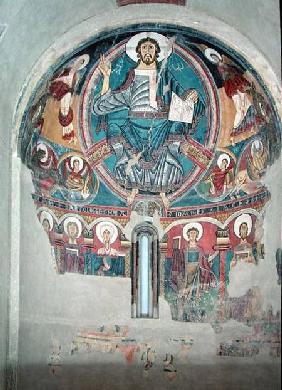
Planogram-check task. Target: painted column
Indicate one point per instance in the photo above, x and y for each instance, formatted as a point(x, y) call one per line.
point(155, 274)
point(222, 245)
point(133, 278)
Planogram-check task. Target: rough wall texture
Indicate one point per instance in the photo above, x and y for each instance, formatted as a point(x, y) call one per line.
point(55, 308)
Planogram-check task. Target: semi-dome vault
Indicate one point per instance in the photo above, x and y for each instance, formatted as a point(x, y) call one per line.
point(147, 149)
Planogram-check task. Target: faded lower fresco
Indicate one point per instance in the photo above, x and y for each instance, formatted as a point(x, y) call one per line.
point(167, 357)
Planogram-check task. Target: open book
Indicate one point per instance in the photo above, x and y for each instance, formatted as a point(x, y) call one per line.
point(181, 110)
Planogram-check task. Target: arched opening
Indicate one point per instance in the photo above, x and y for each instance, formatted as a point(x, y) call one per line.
point(118, 208)
point(145, 272)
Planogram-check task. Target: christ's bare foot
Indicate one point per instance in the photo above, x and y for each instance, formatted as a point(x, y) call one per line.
point(165, 200)
point(132, 196)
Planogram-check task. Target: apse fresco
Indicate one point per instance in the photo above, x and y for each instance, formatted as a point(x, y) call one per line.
point(163, 125)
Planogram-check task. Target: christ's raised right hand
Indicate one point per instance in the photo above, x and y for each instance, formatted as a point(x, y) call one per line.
point(104, 66)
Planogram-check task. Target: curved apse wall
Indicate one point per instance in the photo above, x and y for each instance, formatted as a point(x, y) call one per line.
point(162, 124)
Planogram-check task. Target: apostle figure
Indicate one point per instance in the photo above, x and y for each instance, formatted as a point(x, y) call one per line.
point(73, 257)
point(244, 250)
point(47, 223)
point(146, 159)
point(112, 259)
point(197, 273)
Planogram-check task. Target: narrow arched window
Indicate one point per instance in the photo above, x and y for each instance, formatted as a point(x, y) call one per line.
point(145, 272)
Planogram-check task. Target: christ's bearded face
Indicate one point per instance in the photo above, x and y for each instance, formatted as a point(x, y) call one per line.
point(148, 52)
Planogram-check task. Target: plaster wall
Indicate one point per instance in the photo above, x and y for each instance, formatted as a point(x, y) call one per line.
point(53, 306)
